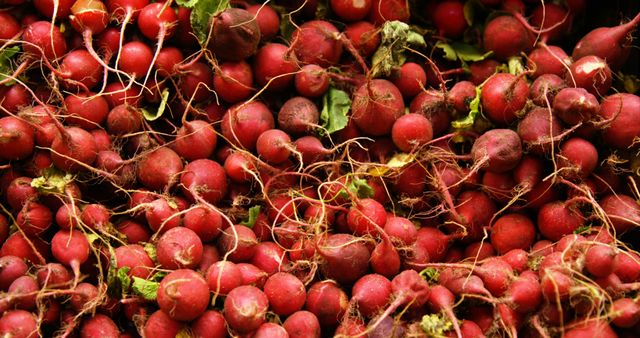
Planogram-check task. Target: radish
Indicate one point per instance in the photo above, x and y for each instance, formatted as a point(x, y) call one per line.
point(238, 241)
point(327, 301)
point(223, 276)
point(506, 36)
point(70, 248)
point(558, 219)
point(124, 119)
point(482, 70)
point(497, 150)
point(252, 275)
point(441, 299)
point(366, 216)
point(274, 67)
point(54, 276)
point(311, 81)
point(449, 19)
point(548, 60)
point(160, 325)
point(179, 248)
point(411, 131)
point(34, 218)
point(538, 129)
point(316, 42)
point(43, 39)
point(79, 70)
point(10, 26)
point(134, 257)
point(196, 81)
point(11, 268)
point(204, 222)
point(371, 293)
point(183, 295)
point(73, 149)
point(401, 229)
point(410, 79)
point(86, 110)
point(577, 158)
point(553, 19)
point(591, 328)
point(19, 323)
point(204, 179)
point(503, 96)
point(311, 149)
point(376, 106)
point(135, 59)
point(351, 10)
point(159, 169)
point(512, 231)
point(157, 21)
point(243, 123)
point(19, 192)
point(408, 288)
point(285, 292)
point(245, 308)
point(99, 326)
point(273, 146)
point(461, 94)
point(609, 43)
point(591, 73)
point(268, 330)
point(364, 37)
point(233, 81)
point(599, 260)
point(268, 20)
point(16, 138)
point(474, 211)
point(22, 293)
point(622, 210)
point(210, 324)
point(621, 110)
point(236, 35)
point(196, 140)
point(162, 215)
point(269, 257)
point(302, 324)
point(389, 10)
point(167, 61)
point(32, 249)
point(625, 312)
point(575, 105)
point(345, 259)
point(544, 89)
point(385, 259)
point(298, 115)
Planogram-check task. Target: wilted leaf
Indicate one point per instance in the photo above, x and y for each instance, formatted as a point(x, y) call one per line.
point(53, 181)
point(474, 111)
point(435, 325)
point(336, 105)
point(395, 36)
point(462, 51)
point(146, 289)
point(154, 114)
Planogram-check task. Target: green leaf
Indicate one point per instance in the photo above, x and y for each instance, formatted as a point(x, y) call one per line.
point(515, 65)
point(469, 11)
point(430, 274)
point(254, 211)
point(146, 289)
point(52, 181)
point(154, 114)
point(6, 65)
point(336, 106)
point(201, 14)
point(360, 187)
point(187, 3)
point(118, 280)
point(462, 51)
point(631, 83)
point(582, 229)
point(435, 325)
point(150, 249)
point(395, 37)
point(474, 111)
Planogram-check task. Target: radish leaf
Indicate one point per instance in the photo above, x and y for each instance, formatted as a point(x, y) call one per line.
point(336, 106)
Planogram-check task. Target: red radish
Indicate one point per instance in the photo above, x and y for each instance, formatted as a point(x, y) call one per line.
point(327, 301)
point(475, 209)
point(124, 119)
point(32, 249)
point(196, 82)
point(385, 259)
point(544, 89)
point(206, 178)
point(160, 325)
point(236, 35)
point(311, 149)
point(99, 326)
point(252, 275)
point(95, 216)
point(16, 138)
point(269, 330)
point(548, 60)
point(167, 61)
point(70, 248)
point(161, 215)
point(410, 79)
point(285, 292)
point(364, 36)
point(376, 106)
point(506, 36)
point(575, 105)
point(316, 42)
point(482, 70)
point(135, 59)
point(525, 293)
point(233, 81)
point(298, 115)
point(496, 274)
point(245, 308)
point(183, 295)
point(599, 260)
point(591, 73)
point(273, 146)
point(91, 16)
point(22, 293)
point(538, 129)
point(517, 258)
point(157, 21)
point(204, 222)
point(512, 231)
point(179, 248)
point(268, 20)
point(210, 324)
point(351, 10)
point(623, 110)
point(411, 131)
point(10, 27)
point(134, 257)
point(503, 96)
point(497, 150)
point(556, 285)
point(79, 70)
point(54, 276)
point(609, 43)
point(625, 312)
point(210, 255)
point(558, 219)
point(19, 192)
point(269, 257)
point(371, 293)
point(591, 328)
point(159, 169)
point(238, 167)
point(34, 218)
point(48, 8)
point(623, 211)
point(222, 277)
point(86, 110)
point(441, 299)
point(15, 96)
point(243, 123)
point(134, 231)
point(401, 230)
point(461, 94)
point(117, 93)
point(302, 324)
point(389, 10)
point(238, 241)
point(41, 38)
point(553, 19)
point(366, 216)
point(433, 105)
point(311, 81)
point(196, 140)
point(273, 67)
point(19, 323)
point(449, 18)
point(408, 288)
point(345, 258)
point(577, 158)
point(73, 150)
point(479, 251)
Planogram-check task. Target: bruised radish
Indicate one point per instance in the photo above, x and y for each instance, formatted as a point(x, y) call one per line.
point(236, 35)
point(376, 106)
point(497, 150)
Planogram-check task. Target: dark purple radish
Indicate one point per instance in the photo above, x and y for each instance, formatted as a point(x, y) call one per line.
point(274, 146)
point(609, 43)
point(34, 218)
point(317, 42)
point(235, 35)
point(503, 96)
point(210, 324)
point(328, 302)
point(42, 39)
point(124, 119)
point(345, 259)
point(298, 115)
point(311, 149)
point(538, 130)
point(591, 73)
point(159, 169)
point(577, 158)
point(73, 150)
point(206, 223)
point(622, 210)
point(183, 295)
point(268, 20)
point(371, 293)
point(136, 259)
point(311, 81)
point(204, 179)
point(19, 323)
point(548, 60)
point(302, 324)
point(575, 105)
point(222, 277)
point(243, 123)
point(376, 105)
point(233, 81)
point(286, 293)
point(558, 219)
point(160, 325)
point(86, 110)
point(623, 111)
point(411, 131)
point(497, 150)
point(245, 308)
point(16, 138)
point(506, 36)
point(274, 67)
point(70, 248)
point(179, 248)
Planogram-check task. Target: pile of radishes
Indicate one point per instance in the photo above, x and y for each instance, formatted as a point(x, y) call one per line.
point(349, 168)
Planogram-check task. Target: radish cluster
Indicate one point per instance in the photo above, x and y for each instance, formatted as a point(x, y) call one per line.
point(349, 168)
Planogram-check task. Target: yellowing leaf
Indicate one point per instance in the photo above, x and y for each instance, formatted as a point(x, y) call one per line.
point(52, 181)
point(154, 114)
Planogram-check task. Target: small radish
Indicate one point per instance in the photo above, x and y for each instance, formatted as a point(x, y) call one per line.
point(411, 131)
point(376, 106)
point(160, 325)
point(327, 301)
point(497, 150)
point(512, 231)
point(345, 258)
point(302, 324)
point(371, 293)
point(210, 324)
point(316, 42)
point(298, 115)
point(245, 308)
point(506, 36)
point(286, 293)
point(622, 110)
point(503, 96)
point(544, 89)
point(183, 295)
point(179, 248)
